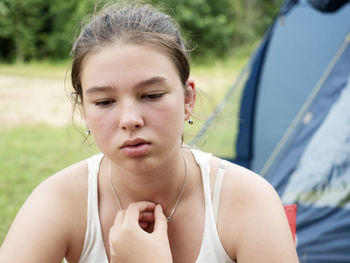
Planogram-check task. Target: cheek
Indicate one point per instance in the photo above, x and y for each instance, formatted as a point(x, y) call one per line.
point(102, 130)
point(99, 121)
point(169, 116)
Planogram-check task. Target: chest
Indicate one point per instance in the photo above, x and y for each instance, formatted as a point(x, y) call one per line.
point(185, 231)
point(186, 234)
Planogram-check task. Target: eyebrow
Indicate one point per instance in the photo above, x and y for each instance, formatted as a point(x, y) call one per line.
point(142, 83)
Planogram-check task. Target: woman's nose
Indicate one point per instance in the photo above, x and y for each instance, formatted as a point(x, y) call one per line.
point(131, 117)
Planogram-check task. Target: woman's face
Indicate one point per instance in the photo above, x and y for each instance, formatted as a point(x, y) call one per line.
point(135, 104)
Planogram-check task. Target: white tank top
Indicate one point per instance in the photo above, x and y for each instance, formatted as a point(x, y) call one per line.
point(211, 250)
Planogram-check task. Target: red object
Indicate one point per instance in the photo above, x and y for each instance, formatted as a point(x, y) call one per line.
point(291, 212)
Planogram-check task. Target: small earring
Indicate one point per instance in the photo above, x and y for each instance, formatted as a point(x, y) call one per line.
point(88, 132)
point(190, 121)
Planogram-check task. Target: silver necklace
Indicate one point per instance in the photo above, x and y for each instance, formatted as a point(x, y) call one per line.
point(177, 200)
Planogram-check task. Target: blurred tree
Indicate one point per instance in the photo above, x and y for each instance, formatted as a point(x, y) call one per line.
point(64, 18)
point(38, 29)
point(207, 23)
point(218, 26)
point(20, 21)
point(267, 10)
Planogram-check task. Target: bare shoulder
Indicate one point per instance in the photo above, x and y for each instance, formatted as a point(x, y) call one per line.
point(252, 221)
point(246, 185)
point(243, 185)
point(43, 227)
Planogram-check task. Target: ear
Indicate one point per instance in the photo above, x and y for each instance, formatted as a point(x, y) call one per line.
point(190, 97)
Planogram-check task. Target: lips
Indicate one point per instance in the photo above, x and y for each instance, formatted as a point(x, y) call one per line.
point(134, 142)
point(135, 148)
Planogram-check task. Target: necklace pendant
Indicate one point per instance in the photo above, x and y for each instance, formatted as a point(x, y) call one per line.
point(168, 219)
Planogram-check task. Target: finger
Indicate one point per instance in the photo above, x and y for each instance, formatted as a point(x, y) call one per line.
point(161, 223)
point(132, 213)
point(119, 218)
point(147, 216)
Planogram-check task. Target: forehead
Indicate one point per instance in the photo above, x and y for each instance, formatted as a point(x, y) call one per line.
point(125, 65)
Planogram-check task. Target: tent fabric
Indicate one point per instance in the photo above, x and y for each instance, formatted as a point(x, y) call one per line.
point(325, 164)
point(295, 124)
point(244, 140)
point(244, 145)
point(321, 236)
point(323, 199)
point(301, 49)
point(326, 98)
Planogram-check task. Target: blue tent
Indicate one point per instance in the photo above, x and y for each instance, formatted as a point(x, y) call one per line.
point(294, 124)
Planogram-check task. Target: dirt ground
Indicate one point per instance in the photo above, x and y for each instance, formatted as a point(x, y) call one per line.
point(27, 101)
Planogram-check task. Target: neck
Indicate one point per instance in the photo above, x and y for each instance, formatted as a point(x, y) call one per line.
point(160, 185)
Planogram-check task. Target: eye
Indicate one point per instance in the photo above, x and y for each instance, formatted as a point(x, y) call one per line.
point(152, 96)
point(104, 103)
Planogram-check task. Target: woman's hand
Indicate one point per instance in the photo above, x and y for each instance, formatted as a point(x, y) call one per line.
point(132, 238)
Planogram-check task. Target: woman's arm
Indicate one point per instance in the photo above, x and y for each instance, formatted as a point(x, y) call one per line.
point(42, 227)
point(252, 220)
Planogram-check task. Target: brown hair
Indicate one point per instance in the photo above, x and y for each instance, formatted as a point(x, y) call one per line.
point(128, 24)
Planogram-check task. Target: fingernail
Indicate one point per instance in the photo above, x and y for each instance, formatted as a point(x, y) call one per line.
point(160, 208)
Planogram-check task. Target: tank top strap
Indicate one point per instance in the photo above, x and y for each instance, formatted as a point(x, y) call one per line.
point(211, 248)
point(203, 160)
point(93, 168)
point(218, 186)
point(93, 244)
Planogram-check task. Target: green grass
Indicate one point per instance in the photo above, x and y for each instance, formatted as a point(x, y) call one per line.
point(29, 154)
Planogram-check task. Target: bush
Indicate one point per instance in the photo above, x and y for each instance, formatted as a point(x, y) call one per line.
point(39, 29)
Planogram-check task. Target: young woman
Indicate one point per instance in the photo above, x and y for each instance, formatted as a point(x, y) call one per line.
point(146, 197)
